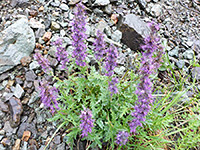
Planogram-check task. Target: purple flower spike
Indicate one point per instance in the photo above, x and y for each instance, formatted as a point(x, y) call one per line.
point(61, 53)
point(44, 63)
point(111, 60)
point(48, 96)
point(122, 138)
point(99, 46)
point(149, 64)
point(112, 86)
point(86, 122)
point(79, 35)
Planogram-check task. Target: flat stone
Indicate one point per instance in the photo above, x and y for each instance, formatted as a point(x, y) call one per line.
point(101, 2)
point(134, 30)
point(30, 76)
point(64, 7)
point(16, 41)
point(16, 110)
point(18, 91)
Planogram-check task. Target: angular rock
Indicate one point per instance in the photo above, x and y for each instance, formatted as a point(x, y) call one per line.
point(6, 142)
point(47, 36)
point(16, 110)
point(196, 73)
point(17, 145)
point(3, 107)
point(25, 60)
point(34, 65)
point(116, 36)
point(16, 41)
point(4, 76)
point(9, 130)
point(55, 26)
point(188, 54)
point(156, 10)
point(26, 136)
point(134, 30)
point(27, 127)
point(73, 2)
point(36, 24)
point(30, 76)
point(18, 91)
point(102, 2)
point(20, 3)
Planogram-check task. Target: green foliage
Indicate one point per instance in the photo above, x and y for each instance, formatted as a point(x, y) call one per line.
point(88, 87)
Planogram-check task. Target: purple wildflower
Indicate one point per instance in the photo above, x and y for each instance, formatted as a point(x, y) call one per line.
point(122, 138)
point(112, 86)
point(111, 60)
point(61, 53)
point(44, 63)
point(86, 122)
point(144, 90)
point(79, 35)
point(99, 46)
point(48, 96)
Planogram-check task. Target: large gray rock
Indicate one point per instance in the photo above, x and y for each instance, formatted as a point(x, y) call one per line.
point(16, 41)
point(134, 30)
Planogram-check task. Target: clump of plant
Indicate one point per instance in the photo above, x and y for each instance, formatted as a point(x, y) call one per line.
point(96, 104)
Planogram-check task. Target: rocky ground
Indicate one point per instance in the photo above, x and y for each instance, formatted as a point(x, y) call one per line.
point(30, 25)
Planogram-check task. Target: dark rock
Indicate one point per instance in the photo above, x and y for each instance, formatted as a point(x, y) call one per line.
point(27, 127)
point(134, 30)
point(30, 75)
point(16, 110)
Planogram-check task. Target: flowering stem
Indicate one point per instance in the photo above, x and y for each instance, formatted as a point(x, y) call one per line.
point(55, 134)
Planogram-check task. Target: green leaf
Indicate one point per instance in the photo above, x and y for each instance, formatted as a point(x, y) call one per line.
point(100, 123)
